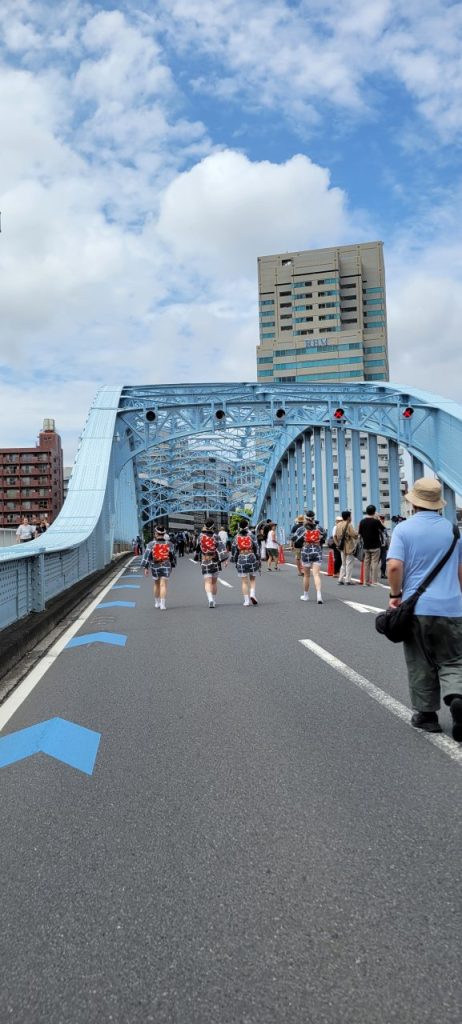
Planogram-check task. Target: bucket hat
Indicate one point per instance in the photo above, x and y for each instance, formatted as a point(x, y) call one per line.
point(426, 493)
point(300, 519)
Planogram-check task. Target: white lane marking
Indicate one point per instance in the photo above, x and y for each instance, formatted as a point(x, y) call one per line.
point(193, 560)
point(363, 608)
point(30, 681)
point(444, 743)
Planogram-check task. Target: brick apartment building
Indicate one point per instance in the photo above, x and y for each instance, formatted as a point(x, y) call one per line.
point(31, 479)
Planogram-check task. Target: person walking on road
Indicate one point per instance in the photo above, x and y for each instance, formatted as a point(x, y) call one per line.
point(311, 556)
point(345, 537)
point(371, 533)
point(433, 652)
point(211, 552)
point(272, 547)
point(160, 556)
point(245, 553)
point(296, 538)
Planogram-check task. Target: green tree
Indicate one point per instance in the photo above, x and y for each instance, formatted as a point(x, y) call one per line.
point(234, 517)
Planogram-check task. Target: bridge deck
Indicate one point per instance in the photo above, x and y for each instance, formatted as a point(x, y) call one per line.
point(260, 841)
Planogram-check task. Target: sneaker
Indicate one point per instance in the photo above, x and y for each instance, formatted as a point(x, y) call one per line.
point(340, 583)
point(319, 600)
point(246, 603)
point(349, 583)
point(157, 603)
point(304, 597)
point(426, 720)
point(455, 708)
point(211, 604)
point(253, 599)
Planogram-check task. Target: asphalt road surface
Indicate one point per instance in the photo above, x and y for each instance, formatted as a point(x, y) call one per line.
point(264, 839)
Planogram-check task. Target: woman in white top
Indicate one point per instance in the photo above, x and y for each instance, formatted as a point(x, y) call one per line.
point(272, 548)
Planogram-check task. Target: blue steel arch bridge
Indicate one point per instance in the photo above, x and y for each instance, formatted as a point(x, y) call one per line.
point(158, 450)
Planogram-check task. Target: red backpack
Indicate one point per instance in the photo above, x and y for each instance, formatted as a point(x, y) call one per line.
point(208, 544)
point(312, 536)
point(160, 551)
point(244, 543)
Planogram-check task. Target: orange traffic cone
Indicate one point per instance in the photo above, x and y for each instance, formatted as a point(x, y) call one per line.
point(330, 563)
point(281, 559)
point(361, 574)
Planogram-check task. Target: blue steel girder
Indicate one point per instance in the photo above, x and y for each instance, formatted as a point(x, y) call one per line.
point(238, 423)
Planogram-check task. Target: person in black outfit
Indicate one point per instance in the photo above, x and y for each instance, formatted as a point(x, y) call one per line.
point(371, 531)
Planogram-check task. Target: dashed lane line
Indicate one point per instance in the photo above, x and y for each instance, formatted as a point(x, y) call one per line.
point(444, 743)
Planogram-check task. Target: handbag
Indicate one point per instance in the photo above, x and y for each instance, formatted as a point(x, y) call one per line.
point(396, 623)
point(359, 550)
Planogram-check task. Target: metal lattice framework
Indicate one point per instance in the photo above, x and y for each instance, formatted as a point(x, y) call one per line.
point(158, 450)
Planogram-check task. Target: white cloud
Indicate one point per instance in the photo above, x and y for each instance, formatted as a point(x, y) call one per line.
point(218, 217)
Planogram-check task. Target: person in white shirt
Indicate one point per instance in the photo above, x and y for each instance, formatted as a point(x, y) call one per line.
point(25, 531)
point(272, 547)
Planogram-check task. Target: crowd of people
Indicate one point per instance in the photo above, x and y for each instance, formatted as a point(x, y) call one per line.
point(423, 545)
point(29, 529)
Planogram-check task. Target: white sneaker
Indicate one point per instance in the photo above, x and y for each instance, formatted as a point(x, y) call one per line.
point(319, 599)
point(163, 606)
point(246, 602)
point(304, 597)
point(211, 604)
point(157, 603)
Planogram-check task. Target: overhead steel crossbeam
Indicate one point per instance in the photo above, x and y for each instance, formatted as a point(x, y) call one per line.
point(174, 431)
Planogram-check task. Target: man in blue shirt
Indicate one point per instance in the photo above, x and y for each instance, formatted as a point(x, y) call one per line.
point(434, 651)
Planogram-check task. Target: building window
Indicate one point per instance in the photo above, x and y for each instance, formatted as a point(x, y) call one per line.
point(284, 293)
point(373, 323)
point(265, 359)
point(286, 263)
point(289, 328)
point(267, 302)
point(270, 335)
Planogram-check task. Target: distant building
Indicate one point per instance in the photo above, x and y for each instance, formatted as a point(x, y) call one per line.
point(323, 315)
point(31, 479)
point(67, 473)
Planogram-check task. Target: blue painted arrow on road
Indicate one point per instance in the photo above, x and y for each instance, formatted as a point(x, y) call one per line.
point(118, 639)
point(126, 586)
point(118, 604)
point(73, 744)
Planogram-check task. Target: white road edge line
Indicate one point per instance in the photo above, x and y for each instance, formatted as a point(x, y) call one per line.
point(444, 743)
point(19, 695)
point(225, 584)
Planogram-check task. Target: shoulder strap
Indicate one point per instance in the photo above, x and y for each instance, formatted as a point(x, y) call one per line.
point(432, 575)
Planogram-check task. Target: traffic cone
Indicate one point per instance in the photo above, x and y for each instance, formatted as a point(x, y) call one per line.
point(330, 563)
point(361, 574)
point(281, 559)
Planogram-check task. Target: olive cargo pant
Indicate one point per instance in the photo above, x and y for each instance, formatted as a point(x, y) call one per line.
point(434, 660)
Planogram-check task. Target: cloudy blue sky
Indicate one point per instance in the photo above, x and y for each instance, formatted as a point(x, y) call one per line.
point(151, 150)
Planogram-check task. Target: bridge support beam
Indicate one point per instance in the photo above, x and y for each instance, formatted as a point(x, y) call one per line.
point(318, 479)
point(308, 502)
point(341, 463)
point(450, 498)
point(417, 468)
point(356, 471)
point(329, 524)
point(299, 461)
point(393, 470)
point(292, 488)
point(374, 492)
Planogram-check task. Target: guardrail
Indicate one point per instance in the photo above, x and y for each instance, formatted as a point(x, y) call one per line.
point(7, 538)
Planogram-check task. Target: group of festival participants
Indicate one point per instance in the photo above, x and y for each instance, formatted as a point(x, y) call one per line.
point(246, 550)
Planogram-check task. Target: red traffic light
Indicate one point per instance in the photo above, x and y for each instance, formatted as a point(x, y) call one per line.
point(339, 414)
point(408, 412)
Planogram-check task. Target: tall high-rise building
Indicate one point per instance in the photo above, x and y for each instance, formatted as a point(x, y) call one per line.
point(323, 315)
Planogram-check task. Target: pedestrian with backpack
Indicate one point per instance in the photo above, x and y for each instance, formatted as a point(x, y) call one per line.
point(160, 556)
point(245, 553)
point(211, 552)
point(311, 555)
